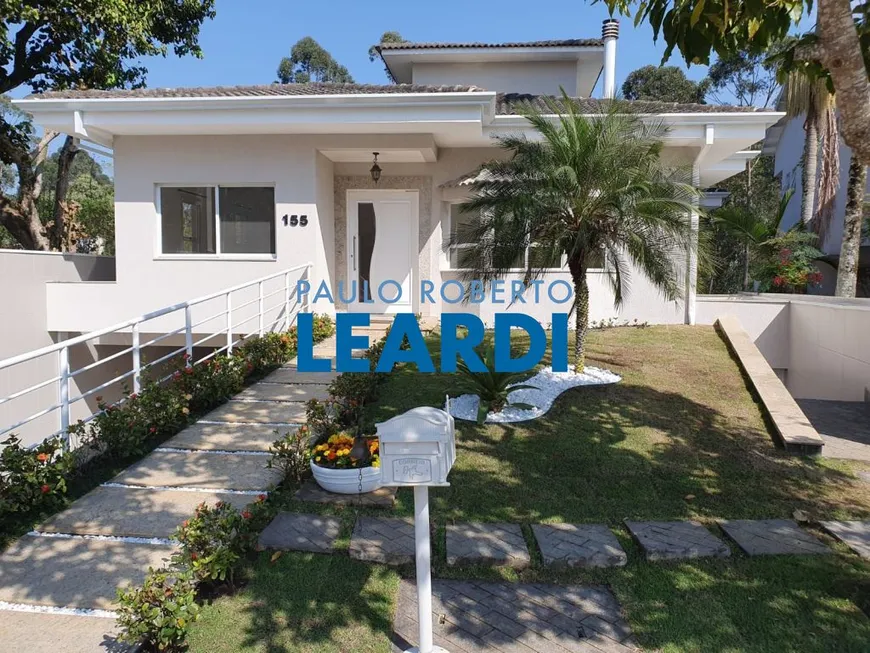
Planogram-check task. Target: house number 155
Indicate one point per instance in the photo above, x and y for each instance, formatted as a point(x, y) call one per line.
point(295, 220)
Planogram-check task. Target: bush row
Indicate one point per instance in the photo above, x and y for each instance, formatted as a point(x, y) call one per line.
point(35, 480)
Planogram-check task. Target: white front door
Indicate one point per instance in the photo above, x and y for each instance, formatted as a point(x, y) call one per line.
point(381, 250)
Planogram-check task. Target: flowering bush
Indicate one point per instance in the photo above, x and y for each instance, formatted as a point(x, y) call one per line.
point(290, 453)
point(32, 478)
point(335, 452)
point(214, 540)
point(210, 382)
point(160, 611)
point(790, 267)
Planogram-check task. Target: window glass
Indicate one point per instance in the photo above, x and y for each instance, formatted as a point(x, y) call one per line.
point(247, 217)
point(462, 224)
point(187, 218)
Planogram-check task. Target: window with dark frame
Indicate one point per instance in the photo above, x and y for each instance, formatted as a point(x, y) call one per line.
point(217, 219)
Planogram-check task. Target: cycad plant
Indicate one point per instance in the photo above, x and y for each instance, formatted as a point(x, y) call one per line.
point(592, 186)
point(492, 387)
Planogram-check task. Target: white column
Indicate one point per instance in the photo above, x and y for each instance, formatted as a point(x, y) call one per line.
point(692, 256)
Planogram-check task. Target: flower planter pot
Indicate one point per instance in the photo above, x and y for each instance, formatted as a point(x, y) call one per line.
point(347, 481)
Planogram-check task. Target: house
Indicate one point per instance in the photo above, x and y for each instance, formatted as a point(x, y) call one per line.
point(217, 186)
point(785, 142)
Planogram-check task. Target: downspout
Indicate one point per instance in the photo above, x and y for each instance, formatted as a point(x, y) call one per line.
point(610, 34)
point(690, 302)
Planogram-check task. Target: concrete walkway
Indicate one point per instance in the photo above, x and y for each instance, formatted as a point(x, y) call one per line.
point(58, 584)
point(843, 425)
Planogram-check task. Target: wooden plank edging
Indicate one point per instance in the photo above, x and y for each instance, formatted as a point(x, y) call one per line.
point(792, 427)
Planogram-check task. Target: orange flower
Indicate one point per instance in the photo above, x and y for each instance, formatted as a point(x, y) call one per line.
point(43, 457)
point(330, 455)
point(246, 515)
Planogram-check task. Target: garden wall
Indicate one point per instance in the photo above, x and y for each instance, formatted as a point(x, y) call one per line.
point(819, 346)
point(23, 327)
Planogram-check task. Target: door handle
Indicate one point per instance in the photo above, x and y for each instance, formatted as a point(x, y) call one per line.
point(353, 253)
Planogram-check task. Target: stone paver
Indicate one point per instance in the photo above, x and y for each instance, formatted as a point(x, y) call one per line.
point(772, 537)
point(284, 392)
point(28, 632)
point(289, 374)
point(258, 412)
point(74, 572)
point(579, 545)
point(383, 539)
point(310, 491)
point(298, 532)
point(855, 534)
point(843, 425)
point(227, 437)
point(472, 617)
point(480, 543)
point(202, 470)
point(133, 512)
point(674, 540)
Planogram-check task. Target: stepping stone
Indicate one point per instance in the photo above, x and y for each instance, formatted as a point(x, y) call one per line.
point(772, 537)
point(134, 512)
point(284, 392)
point(311, 492)
point(74, 572)
point(258, 412)
point(675, 540)
point(383, 539)
point(36, 632)
point(202, 470)
point(579, 545)
point(854, 534)
point(289, 374)
point(226, 437)
point(474, 616)
point(493, 544)
point(295, 532)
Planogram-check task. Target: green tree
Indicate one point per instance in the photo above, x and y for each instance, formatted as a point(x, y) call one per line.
point(60, 44)
point(840, 45)
point(751, 79)
point(310, 62)
point(662, 84)
point(592, 186)
point(375, 51)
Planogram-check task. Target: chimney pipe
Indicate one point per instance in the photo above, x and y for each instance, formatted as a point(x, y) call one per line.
point(609, 34)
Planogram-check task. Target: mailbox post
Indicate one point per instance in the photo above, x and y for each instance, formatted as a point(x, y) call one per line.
point(417, 449)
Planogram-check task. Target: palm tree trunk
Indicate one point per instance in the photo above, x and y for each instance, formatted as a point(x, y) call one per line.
point(581, 295)
point(810, 167)
point(847, 270)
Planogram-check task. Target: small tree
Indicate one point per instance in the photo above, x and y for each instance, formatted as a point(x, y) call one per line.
point(593, 186)
point(310, 62)
point(662, 84)
point(374, 51)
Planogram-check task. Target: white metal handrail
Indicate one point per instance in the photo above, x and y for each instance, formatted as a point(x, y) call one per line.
point(285, 308)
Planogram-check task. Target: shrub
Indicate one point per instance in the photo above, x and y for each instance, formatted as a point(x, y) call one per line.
point(214, 540)
point(322, 417)
point(492, 387)
point(210, 382)
point(324, 327)
point(32, 478)
point(160, 611)
point(290, 453)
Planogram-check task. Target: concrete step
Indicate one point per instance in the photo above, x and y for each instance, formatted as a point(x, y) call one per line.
point(33, 632)
point(74, 572)
point(265, 412)
point(226, 437)
point(289, 374)
point(283, 392)
point(201, 470)
point(134, 512)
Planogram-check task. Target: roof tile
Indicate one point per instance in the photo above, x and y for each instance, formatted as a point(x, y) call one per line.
point(563, 43)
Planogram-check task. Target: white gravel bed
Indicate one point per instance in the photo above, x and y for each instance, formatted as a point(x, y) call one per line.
point(548, 384)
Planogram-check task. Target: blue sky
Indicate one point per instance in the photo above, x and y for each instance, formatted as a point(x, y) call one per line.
point(247, 39)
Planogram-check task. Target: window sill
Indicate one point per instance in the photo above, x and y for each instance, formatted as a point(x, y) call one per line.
point(216, 257)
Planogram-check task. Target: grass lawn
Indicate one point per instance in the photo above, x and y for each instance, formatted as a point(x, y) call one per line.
point(679, 438)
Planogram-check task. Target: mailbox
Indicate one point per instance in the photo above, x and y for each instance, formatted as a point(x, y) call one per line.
point(417, 447)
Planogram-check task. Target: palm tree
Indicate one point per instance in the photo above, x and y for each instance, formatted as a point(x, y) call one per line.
point(847, 268)
point(812, 99)
point(591, 187)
